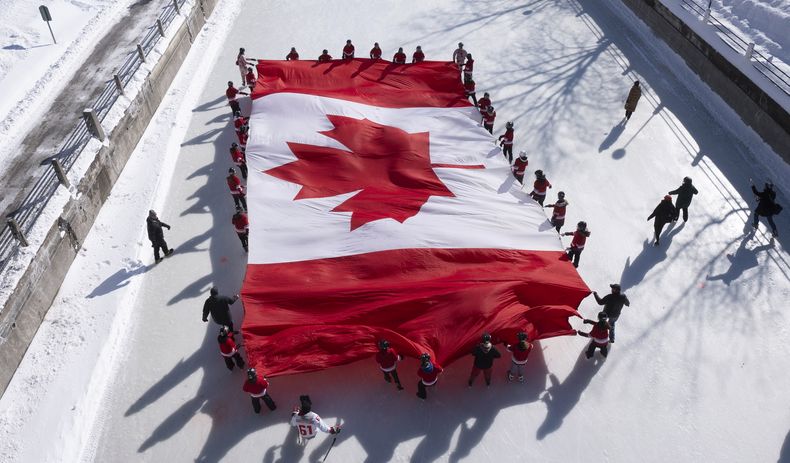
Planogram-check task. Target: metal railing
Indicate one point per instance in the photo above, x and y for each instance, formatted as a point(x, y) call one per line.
point(30, 208)
point(764, 66)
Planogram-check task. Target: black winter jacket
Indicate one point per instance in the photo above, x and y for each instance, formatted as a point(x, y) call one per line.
point(219, 308)
point(664, 212)
point(612, 303)
point(685, 192)
point(155, 233)
point(485, 360)
point(766, 201)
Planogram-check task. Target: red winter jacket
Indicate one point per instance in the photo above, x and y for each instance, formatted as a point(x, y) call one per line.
point(520, 356)
point(430, 378)
point(600, 334)
point(418, 57)
point(227, 347)
point(520, 166)
point(507, 138)
point(559, 210)
point(540, 186)
point(469, 66)
point(469, 86)
point(375, 53)
point(240, 222)
point(292, 56)
point(250, 77)
point(387, 359)
point(238, 122)
point(488, 118)
point(325, 57)
point(484, 103)
point(348, 51)
point(399, 58)
point(256, 389)
point(235, 185)
point(579, 238)
point(237, 156)
point(231, 93)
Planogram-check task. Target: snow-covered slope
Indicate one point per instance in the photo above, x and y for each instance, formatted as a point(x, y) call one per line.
point(698, 372)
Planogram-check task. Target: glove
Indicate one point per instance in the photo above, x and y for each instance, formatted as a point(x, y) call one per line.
point(295, 410)
point(168, 227)
point(205, 320)
point(334, 430)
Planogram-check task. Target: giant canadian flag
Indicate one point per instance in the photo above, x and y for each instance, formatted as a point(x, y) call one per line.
point(380, 208)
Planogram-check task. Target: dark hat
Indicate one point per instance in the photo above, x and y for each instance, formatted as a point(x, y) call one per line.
point(305, 404)
point(252, 375)
point(214, 291)
point(615, 286)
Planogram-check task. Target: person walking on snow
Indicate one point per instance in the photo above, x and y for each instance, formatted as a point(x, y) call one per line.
point(219, 308)
point(242, 62)
point(325, 57)
point(663, 214)
point(484, 102)
point(540, 187)
point(307, 422)
point(633, 98)
point(520, 353)
point(236, 189)
point(231, 94)
point(558, 213)
point(612, 306)
point(249, 78)
point(489, 115)
point(459, 56)
point(257, 387)
point(577, 243)
point(599, 336)
point(766, 206)
point(519, 166)
point(506, 142)
point(484, 353)
point(685, 193)
point(469, 67)
point(242, 226)
point(400, 57)
point(237, 155)
point(292, 55)
point(348, 50)
point(418, 56)
point(157, 236)
point(387, 358)
point(428, 373)
point(228, 349)
point(375, 52)
point(469, 88)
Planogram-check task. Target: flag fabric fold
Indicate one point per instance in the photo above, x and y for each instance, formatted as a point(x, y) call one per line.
point(379, 208)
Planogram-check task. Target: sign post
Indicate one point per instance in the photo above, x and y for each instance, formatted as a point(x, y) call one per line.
point(47, 17)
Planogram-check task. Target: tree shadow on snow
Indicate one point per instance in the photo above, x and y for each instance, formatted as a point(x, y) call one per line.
point(560, 398)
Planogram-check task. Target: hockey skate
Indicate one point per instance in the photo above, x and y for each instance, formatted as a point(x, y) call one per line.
point(509, 376)
point(520, 378)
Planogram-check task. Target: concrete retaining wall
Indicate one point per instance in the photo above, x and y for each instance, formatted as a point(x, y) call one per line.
point(757, 109)
point(31, 299)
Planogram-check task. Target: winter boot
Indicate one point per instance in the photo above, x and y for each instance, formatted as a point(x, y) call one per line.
point(520, 378)
point(509, 376)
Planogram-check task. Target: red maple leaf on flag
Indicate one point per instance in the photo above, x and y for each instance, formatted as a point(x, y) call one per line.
point(389, 168)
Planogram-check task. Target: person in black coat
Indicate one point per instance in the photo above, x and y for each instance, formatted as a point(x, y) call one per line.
point(484, 354)
point(685, 192)
point(219, 308)
point(157, 235)
point(612, 305)
point(663, 213)
point(766, 206)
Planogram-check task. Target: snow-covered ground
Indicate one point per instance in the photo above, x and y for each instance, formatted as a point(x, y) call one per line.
point(766, 23)
point(124, 370)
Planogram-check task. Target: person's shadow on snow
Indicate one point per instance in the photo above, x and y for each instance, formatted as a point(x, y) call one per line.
point(612, 137)
point(118, 279)
point(634, 271)
point(742, 260)
point(560, 398)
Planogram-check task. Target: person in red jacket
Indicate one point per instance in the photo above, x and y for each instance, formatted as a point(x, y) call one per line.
point(400, 57)
point(231, 94)
point(506, 142)
point(519, 166)
point(599, 335)
point(348, 50)
point(250, 79)
point(577, 243)
point(469, 88)
point(239, 121)
point(484, 102)
point(558, 214)
point(488, 119)
point(375, 52)
point(418, 56)
point(469, 66)
point(325, 57)
point(387, 358)
point(540, 187)
point(242, 226)
point(238, 158)
point(228, 349)
point(293, 55)
point(429, 373)
point(520, 352)
point(257, 387)
point(236, 189)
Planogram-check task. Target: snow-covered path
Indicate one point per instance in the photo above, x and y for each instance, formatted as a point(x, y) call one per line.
point(699, 369)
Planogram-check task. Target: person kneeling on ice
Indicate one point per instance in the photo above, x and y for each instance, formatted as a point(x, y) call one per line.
point(599, 335)
point(429, 373)
point(307, 422)
point(520, 353)
point(485, 354)
point(256, 385)
point(228, 349)
point(387, 359)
